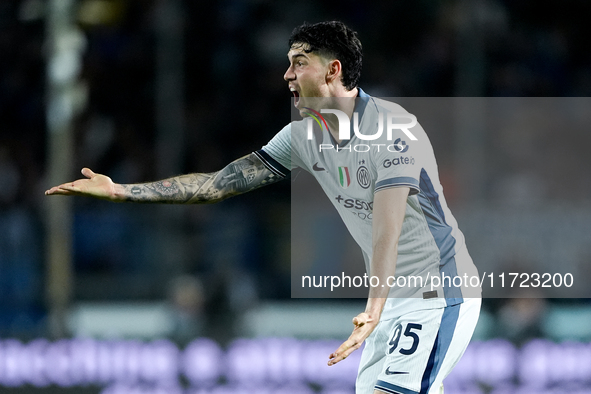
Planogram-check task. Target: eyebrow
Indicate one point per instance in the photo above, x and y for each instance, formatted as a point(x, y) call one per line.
point(296, 56)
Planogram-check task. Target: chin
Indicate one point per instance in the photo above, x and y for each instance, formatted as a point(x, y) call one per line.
point(302, 104)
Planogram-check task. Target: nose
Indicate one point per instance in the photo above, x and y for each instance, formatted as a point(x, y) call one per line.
point(289, 74)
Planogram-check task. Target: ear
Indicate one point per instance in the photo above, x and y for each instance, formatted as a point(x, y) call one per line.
point(333, 71)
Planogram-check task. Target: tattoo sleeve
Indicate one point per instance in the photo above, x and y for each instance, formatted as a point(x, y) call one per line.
point(240, 176)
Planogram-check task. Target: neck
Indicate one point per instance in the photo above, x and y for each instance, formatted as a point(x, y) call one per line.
point(345, 102)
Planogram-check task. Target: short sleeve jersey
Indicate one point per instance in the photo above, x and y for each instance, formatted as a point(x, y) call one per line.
point(350, 173)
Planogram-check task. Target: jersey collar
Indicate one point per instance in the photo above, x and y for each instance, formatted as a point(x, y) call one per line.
point(362, 100)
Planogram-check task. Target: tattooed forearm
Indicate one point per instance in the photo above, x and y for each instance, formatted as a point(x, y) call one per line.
point(240, 176)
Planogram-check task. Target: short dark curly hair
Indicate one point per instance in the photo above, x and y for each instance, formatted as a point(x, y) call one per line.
point(332, 39)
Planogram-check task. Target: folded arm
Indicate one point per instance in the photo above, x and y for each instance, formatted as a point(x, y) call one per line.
point(240, 176)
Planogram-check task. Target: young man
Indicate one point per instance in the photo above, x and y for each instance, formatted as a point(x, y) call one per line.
point(414, 335)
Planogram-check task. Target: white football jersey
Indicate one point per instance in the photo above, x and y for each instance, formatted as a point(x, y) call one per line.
point(430, 244)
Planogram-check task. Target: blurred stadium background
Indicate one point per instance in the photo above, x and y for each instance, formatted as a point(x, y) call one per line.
point(113, 298)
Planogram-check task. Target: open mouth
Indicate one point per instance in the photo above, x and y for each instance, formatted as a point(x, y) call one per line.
point(296, 97)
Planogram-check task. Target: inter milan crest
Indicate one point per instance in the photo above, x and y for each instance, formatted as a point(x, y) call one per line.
point(363, 177)
point(344, 177)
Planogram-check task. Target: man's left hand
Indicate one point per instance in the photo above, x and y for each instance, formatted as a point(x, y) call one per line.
point(364, 325)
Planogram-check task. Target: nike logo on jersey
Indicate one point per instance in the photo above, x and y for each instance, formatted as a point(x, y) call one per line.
point(388, 372)
point(316, 168)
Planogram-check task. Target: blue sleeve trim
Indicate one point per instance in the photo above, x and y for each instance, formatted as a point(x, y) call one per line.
point(410, 182)
point(273, 165)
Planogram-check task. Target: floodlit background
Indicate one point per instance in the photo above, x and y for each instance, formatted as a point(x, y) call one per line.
point(109, 298)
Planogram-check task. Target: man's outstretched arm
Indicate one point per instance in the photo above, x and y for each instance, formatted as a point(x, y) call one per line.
point(240, 176)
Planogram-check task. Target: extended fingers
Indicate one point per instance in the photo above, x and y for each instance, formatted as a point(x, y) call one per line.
point(364, 325)
point(348, 347)
point(63, 189)
point(70, 187)
point(57, 191)
point(53, 190)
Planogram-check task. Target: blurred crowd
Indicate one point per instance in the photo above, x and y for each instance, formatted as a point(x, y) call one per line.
point(233, 254)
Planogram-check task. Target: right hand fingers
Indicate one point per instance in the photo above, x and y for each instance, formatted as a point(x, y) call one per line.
point(70, 188)
point(57, 190)
point(64, 189)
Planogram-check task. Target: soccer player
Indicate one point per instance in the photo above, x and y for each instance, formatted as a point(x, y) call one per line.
point(388, 196)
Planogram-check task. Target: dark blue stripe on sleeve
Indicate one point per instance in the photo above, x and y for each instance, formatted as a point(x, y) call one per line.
point(399, 181)
point(273, 165)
